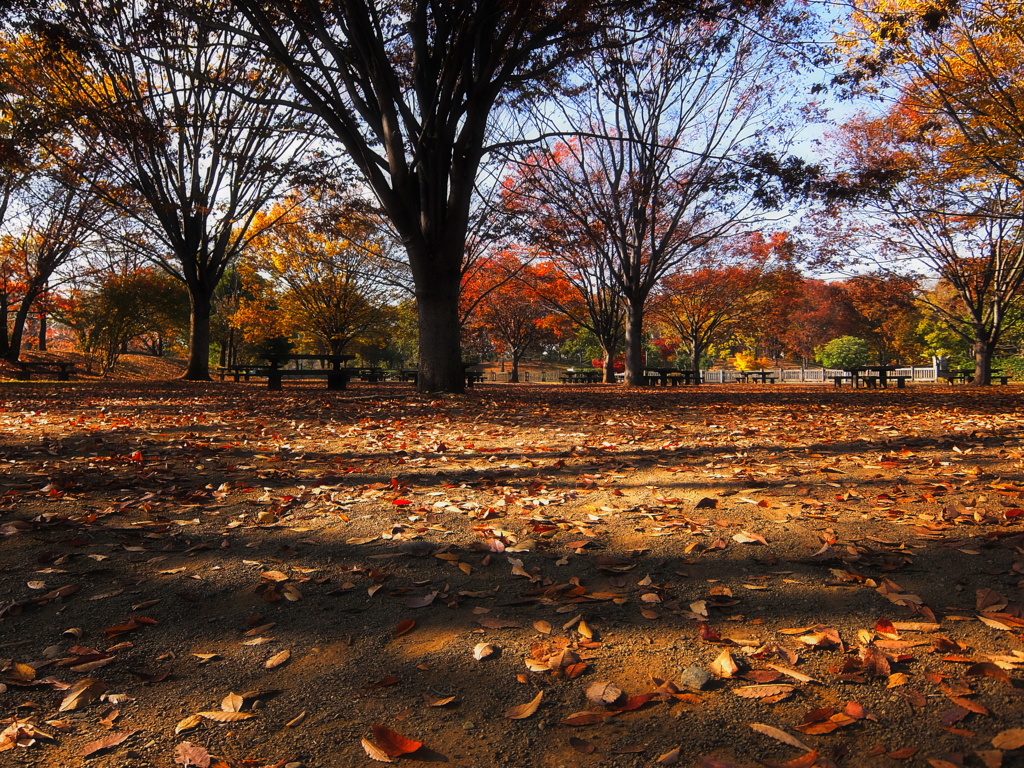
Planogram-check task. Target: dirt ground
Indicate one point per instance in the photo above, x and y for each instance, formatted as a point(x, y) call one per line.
point(522, 576)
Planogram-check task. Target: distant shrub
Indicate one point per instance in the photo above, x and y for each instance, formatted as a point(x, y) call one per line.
point(844, 352)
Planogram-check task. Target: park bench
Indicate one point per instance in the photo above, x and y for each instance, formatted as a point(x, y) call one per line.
point(241, 372)
point(838, 380)
point(63, 370)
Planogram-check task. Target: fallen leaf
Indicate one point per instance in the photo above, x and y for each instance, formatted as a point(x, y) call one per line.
point(190, 722)
point(724, 665)
point(1009, 740)
point(375, 752)
point(232, 703)
point(434, 701)
point(587, 718)
point(189, 754)
point(525, 710)
point(81, 693)
point(296, 721)
point(404, 627)
point(543, 627)
point(392, 743)
point(482, 651)
point(107, 742)
point(278, 659)
point(226, 717)
point(780, 735)
point(604, 693)
point(761, 691)
point(669, 758)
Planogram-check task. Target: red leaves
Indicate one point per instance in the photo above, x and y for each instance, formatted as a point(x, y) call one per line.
point(393, 744)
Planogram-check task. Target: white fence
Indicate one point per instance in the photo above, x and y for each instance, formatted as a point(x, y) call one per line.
point(714, 376)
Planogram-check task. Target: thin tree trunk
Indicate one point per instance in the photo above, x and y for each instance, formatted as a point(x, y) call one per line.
point(634, 346)
point(42, 331)
point(18, 328)
point(609, 364)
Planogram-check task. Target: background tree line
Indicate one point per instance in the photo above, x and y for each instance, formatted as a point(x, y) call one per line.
point(509, 176)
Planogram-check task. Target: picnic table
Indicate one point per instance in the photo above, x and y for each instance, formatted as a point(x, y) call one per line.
point(871, 376)
point(670, 376)
point(61, 368)
point(761, 377)
point(581, 377)
point(337, 377)
point(966, 376)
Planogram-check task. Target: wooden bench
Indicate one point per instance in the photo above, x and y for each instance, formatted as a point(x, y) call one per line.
point(336, 379)
point(63, 370)
point(901, 381)
point(838, 380)
point(241, 372)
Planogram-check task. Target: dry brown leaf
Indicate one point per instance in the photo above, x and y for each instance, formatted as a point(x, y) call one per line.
point(587, 718)
point(226, 717)
point(278, 659)
point(794, 674)
point(604, 693)
point(190, 722)
point(724, 665)
point(298, 720)
point(1009, 740)
point(189, 754)
point(762, 691)
point(107, 742)
point(81, 693)
point(375, 752)
point(434, 701)
point(669, 758)
point(780, 735)
point(482, 651)
point(232, 703)
point(525, 710)
point(544, 627)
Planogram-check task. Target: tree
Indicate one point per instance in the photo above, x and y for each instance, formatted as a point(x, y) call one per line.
point(185, 114)
point(887, 314)
point(58, 209)
point(724, 294)
point(956, 67)
point(323, 266)
point(411, 89)
point(510, 310)
point(844, 353)
point(963, 225)
point(123, 307)
point(673, 154)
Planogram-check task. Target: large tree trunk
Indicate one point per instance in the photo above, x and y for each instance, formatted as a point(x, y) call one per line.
point(440, 353)
point(634, 346)
point(199, 336)
point(13, 351)
point(983, 349)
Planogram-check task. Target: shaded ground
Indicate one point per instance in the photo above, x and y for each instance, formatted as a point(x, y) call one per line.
point(704, 551)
